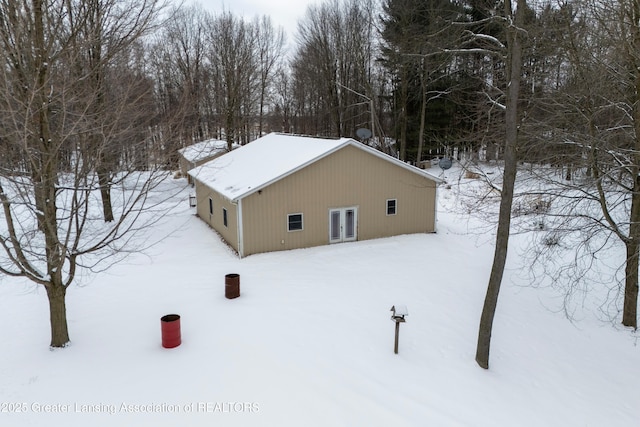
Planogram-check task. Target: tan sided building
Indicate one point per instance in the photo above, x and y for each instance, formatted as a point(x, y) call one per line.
point(285, 192)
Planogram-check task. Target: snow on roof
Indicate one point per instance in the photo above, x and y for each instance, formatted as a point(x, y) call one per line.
point(202, 150)
point(270, 158)
point(262, 161)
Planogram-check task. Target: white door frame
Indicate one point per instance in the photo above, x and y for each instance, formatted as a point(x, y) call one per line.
point(343, 224)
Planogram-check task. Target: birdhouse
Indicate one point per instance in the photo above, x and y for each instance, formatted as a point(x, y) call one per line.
point(398, 313)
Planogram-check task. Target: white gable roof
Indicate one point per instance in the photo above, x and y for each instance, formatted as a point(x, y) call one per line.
point(271, 158)
point(203, 150)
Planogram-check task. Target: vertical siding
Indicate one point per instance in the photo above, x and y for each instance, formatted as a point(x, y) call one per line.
point(349, 177)
point(230, 232)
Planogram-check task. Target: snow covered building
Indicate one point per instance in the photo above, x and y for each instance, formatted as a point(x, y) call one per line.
point(199, 153)
point(283, 192)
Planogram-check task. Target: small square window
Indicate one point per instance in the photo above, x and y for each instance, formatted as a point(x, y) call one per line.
point(224, 217)
point(391, 206)
point(294, 222)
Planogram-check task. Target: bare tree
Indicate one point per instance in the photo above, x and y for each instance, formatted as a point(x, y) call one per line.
point(184, 39)
point(515, 33)
point(332, 67)
point(231, 55)
point(596, 138)
point(100, 31)
point(283, 100)
point(47, 113)
point(183, 80)
point(270, 51)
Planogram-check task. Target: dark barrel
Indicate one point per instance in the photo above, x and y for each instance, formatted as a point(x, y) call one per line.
point(232, 285)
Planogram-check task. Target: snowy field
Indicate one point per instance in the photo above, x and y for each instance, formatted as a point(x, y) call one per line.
point(310, 340)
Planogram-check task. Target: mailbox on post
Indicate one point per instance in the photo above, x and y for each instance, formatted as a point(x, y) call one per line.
point(398, 314)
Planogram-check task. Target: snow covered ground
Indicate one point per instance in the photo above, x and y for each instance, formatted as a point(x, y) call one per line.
point(310, 340)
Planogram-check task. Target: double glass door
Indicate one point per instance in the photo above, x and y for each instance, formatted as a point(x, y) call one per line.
point(343, 225)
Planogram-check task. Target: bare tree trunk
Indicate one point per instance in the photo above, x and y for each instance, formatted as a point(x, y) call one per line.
point(514, 64)
point(630, 306)
point(56, 294)
point(96, 68)
point(404, 100)
point(105, 193)
point(270, 47)
point(423, 111)
point(230, 128)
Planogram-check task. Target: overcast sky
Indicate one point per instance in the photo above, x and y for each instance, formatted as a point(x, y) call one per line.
point(285, 13)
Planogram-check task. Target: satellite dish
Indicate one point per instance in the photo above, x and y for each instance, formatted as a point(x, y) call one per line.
point(445, 163)
point(363, 133)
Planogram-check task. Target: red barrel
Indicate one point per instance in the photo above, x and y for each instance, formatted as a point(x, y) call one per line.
point(170, 325)
point(232, 285)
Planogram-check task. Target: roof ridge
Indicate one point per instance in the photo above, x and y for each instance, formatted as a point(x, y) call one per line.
point(333, 138)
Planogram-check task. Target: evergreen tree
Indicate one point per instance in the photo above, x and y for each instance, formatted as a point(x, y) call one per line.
point(416, 36)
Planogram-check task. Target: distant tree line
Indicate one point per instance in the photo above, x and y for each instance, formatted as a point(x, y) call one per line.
point(427, 77)
point(414, 72)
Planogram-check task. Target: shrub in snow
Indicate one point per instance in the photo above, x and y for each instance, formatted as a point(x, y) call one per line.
point(552, 239)
point(531, 205)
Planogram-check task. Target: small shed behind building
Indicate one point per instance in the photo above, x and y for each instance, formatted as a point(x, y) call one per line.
point(197, 154)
